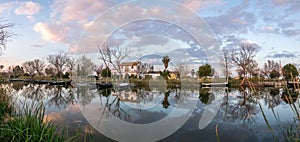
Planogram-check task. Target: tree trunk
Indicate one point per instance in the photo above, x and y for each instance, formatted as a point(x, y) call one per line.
point(243, 81)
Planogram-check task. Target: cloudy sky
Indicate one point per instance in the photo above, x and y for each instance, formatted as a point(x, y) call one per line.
point(181, 27)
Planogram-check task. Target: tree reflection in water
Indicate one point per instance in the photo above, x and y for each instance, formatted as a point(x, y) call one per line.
point(61, 96)
point(165, 102)
point(271, 97)
point(205, 96)
point(128, 103)
point(85, 94)
point(58, 96)
point(34, 92)
point(18, 86)
point(243, 107)
point(112, 104)
point(143, 96)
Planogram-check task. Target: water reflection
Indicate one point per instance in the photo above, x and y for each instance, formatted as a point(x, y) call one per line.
point(272, 97)
point(205, 96)
point(34, 92)
point(165, 102)
point(243, 108)
point(60, 96)
point(266, 114)
point(289, 96)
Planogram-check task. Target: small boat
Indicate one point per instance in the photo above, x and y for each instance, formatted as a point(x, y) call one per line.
point(60, 82)
point(104, 85)
point(41, 81)
point(123, 86)
point(225, 84)
point(15, 80)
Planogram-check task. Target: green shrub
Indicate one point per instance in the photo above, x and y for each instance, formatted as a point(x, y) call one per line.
point(66, 75)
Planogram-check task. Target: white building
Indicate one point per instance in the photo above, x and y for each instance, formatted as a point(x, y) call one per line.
point(129, 68)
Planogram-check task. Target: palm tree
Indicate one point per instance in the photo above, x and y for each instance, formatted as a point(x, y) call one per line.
point(166, 61)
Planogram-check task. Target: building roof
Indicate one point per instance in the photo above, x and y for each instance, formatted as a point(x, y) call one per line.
point(129, 63)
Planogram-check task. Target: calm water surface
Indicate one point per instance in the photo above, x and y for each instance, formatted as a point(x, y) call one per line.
point(266, 115)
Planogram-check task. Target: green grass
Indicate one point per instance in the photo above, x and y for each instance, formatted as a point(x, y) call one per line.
point(28, 125)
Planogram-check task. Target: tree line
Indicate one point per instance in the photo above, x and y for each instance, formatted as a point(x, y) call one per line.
point(247, 67)
point(57, 66)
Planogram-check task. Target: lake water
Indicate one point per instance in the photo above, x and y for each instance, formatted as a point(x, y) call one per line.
point(178, 114)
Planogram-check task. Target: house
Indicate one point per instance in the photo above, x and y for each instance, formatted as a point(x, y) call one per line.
point(134, 68)
point(129, 68)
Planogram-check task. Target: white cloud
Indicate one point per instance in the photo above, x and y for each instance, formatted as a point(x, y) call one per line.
point(7, 6)
point(54, 32)
point(27, 8)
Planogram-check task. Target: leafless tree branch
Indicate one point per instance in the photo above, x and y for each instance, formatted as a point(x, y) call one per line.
point(5, 33)
point(113, 57)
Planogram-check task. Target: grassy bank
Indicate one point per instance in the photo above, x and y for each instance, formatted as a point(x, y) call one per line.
point(26, 122)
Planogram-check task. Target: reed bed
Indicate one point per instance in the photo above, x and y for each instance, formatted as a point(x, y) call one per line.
point(26, 123)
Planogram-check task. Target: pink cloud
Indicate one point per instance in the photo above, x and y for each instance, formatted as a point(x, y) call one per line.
point(268, 29)
point(27, 8)
point(79, 11)
point(280, 2)
point(54, 32)
point(69, 19)
point(198, 4)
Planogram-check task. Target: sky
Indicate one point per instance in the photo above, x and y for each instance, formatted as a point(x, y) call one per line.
point(184, 29)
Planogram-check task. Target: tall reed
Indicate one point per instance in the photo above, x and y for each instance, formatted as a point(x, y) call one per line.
point(28, 125)
point(5, 105)
point(289, 132)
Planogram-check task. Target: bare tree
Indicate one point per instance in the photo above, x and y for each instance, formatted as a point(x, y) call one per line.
point(5, 33)
point(182, 70)
point(244, 59)
point(86, 66)
point(70, 64)
point(142, 68)
point(50, 70)
point(269, 67)
point(193, 72)
point(28, 66)
point(38, 66)
point(58, 61)
point(18, 71)
point(113, 56)
point(227, 63)
point(253, 69)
